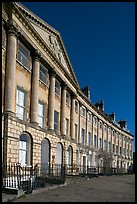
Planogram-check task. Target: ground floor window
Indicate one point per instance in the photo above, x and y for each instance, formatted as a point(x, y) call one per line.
point(25, 149)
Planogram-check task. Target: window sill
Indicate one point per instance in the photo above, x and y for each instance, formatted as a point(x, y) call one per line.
point(57, 95)
point(24, 66)
point(42, 82)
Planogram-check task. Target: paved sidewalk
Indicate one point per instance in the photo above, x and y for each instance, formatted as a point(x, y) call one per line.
point(102, 189)
point(6, 197)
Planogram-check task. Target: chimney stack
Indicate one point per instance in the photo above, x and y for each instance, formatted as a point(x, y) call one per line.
point(122, 123)
point(100, 105)
point(86, 91)
point(112, 116)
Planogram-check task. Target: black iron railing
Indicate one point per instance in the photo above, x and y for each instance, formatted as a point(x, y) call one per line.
point(15, 176)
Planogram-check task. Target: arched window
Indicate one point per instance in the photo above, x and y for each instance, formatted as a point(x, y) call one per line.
point(70, 156)
point(59, 154)
point(45, 156)
point(25, 149)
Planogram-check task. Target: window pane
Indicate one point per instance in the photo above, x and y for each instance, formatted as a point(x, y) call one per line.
point(76, 106)
point(40, 121)
point(41, 109)
point(43, 75)
point(95, 141)
point(23, 55)
point(89, 139)
point(56, 114)
point(21, 98)
point(23, 145)
point(20, 104)
point(67, 98)
point(20, 112)
point(23, 157)
point(57, 87)
point(104, 144)
point(83, 135)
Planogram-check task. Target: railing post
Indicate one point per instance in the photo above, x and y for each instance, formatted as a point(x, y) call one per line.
point(18, 176)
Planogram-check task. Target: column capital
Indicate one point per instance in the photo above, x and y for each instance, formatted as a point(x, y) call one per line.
point(52, 72)
point(74, 95)
point(64, 85)
point(12, 28)
point(37, 54)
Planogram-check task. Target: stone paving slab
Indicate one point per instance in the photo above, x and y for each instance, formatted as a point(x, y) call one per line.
point(102, 189)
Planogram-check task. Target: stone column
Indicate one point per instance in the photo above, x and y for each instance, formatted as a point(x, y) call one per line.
point(86, 132)
point(102, 136)
point(118, 145)
point(35, 87)
point(107, 138)
point(92, 136)
point(51, 100)
point(115, 142)
point(111, 140)
point(63, 108)
point(79, 132)
point(98, 132)
point(10, 77)
point(126, 146)
point(122, 145)
point(72, 133)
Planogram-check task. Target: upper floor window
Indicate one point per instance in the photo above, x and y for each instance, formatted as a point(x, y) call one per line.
point(83, 113)
point(100, 142)
point(21, 103)
point(23, 55)
point(83, 136)
point(76, 130)
point(109, 130)
point(124, 151)
point(41, 114)
point(68, 98)
point(95, 120)
point(67, 126)
point(76, 106)
point(57, 87)
point(120, 137)
point(100, 125)
point(95, 141)
point(117, 149)
point(43, 74)
point(120, 150)
point(105, 145)
point(89, 116)
point(56, 120)
point(105, 128)
point(89, 139)
point(109, 146)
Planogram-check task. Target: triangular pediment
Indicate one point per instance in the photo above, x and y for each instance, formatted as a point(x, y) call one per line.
point(53, 44)
point(52, 39)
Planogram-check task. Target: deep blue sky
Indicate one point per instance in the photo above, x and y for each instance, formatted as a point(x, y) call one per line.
point(99, 38)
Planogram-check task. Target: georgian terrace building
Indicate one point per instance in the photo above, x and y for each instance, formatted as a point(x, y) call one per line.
point(46, 117)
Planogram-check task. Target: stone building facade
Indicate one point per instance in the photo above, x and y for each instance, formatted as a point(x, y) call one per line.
point(46, 117)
